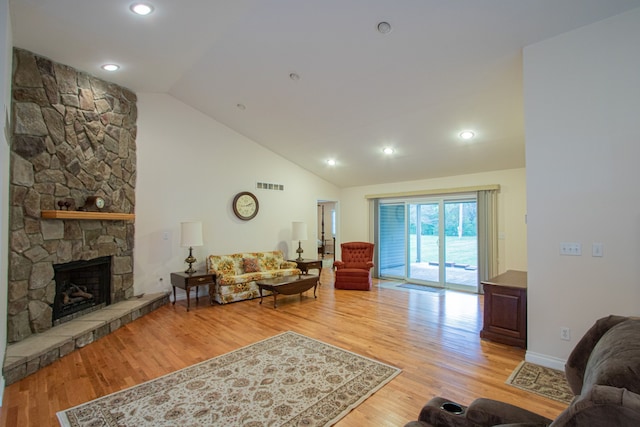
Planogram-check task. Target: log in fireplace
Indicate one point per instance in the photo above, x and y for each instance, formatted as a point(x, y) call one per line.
point(81, 287)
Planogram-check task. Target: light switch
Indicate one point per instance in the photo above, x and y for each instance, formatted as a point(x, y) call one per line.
point(597, 250)
point(571, 249)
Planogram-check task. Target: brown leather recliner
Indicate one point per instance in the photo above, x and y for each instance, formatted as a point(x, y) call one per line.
point(603, 372)
point(354, 271)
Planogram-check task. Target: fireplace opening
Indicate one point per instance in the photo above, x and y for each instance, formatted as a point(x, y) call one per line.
point(81, 287)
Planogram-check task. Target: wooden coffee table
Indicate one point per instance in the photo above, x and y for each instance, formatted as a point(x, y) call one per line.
point(288, 285)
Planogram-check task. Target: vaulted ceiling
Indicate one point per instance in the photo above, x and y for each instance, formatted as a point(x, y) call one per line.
point(445, 66)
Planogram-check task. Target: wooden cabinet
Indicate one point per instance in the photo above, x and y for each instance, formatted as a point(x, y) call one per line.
point(505, 308)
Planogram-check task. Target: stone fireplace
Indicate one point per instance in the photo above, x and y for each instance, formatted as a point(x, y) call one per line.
point(73, 137)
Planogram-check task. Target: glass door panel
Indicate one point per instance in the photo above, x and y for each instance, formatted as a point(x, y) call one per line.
point(424, 241)
point(461, 245)
point(392, 240)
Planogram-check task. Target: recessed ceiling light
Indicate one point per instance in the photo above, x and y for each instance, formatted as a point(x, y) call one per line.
point(384, 27)
point(294, 76)
point(467, 134)
point(141, 8)
point(388, 150)
point(110, 67)
point(331, 162)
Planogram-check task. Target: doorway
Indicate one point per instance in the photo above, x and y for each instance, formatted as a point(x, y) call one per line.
point(326, 229)
point(431, 241)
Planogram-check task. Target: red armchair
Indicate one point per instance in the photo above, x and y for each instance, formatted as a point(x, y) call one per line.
point(354, 271)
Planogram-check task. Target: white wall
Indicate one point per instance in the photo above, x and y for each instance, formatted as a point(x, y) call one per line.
point(5, 105)
point(189, 168)
point(582, 109)
point(355, 224)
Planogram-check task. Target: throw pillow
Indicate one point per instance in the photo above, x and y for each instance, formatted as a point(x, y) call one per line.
point(251, 265)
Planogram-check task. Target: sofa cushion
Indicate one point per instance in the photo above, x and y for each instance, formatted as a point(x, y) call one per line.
point(615, 359)
point(287, 265)
point(252, 277)
point(577, 362)
point(270, 260)
point(240, 278)
point(251, 265)
point(226, 264)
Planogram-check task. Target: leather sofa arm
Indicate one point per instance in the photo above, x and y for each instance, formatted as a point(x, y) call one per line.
point(338, 264)
point(492, 412)
point(482, 412)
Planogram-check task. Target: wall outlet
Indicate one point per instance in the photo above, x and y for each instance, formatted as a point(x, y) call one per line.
point(565, 334)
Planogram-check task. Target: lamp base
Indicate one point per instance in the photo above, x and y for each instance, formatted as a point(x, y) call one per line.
point(299, 252)
point(190, 260)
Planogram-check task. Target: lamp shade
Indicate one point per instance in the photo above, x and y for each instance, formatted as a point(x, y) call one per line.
point(190, 234)
point(299, 230)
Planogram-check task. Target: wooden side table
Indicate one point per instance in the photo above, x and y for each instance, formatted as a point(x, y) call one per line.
point(505, 308)
point(308, 264)
point(187, 281)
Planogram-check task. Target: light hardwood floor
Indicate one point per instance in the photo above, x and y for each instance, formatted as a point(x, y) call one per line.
point(433, 338)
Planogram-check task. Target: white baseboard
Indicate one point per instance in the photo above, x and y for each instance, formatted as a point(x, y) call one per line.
point(1, 389)
point(546, 361)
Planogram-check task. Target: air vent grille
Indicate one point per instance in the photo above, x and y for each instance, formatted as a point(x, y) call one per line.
point(269, 186)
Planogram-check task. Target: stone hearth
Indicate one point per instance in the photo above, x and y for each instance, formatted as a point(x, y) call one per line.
point(39, 350)
point(74, 136)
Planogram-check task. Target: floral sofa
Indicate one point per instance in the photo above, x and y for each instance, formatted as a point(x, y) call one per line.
point(236, 274)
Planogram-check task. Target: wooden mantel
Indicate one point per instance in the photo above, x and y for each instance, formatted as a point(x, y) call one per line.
point(100, 216)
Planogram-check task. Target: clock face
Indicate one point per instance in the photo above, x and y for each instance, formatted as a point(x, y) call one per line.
point(92, 203)
point(245, 205)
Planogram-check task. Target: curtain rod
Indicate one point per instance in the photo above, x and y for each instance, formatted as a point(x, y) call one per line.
point(435, 191)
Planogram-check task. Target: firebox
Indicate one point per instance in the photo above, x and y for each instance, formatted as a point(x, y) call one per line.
point(81, 287)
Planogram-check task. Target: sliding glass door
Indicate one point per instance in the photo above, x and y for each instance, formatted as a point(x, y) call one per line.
point(431, 241)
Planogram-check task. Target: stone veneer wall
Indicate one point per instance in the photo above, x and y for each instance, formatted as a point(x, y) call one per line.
point(74, 136)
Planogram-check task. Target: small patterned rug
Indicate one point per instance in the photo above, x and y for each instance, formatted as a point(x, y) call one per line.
point(537, 379)
point(285, 380)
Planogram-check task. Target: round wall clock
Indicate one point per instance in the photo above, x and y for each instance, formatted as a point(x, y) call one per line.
point(245, 205)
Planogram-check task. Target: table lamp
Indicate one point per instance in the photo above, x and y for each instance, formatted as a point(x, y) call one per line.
point(190, 236)
point(299, 232)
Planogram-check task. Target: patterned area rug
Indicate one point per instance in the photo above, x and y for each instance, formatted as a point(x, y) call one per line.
point(286, 380)
point(540, 380)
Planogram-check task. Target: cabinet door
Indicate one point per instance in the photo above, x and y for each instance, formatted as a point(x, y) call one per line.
point(505, 315)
